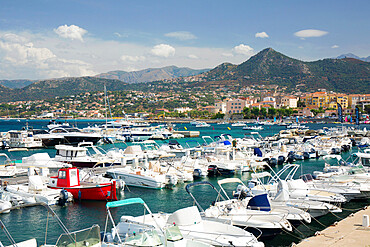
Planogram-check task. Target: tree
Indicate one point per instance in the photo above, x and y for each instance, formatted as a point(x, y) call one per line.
point(218, 115)
point(255, 112)
point(263, 112)
point(272, 112)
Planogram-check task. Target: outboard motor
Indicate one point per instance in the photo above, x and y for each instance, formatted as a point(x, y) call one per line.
point(281, 160)
point(63, 197)
point(290, 158)
point(241, 192)
point(212, 170)
point(197, 173)
point(273, 162)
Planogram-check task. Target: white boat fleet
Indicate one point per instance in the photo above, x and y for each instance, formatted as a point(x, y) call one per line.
point(269, 203)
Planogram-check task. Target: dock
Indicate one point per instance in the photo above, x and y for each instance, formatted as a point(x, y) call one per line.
point(347, 232)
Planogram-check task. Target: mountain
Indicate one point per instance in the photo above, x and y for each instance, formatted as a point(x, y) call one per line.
point(351, 55)
point(149, 75)
point(45, 89)
point(270, 67)
point(16, 83)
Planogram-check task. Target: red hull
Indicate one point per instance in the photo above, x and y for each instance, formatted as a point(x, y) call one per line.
point(100, 192)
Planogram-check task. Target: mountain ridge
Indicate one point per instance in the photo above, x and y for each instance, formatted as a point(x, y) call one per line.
point(151, 74)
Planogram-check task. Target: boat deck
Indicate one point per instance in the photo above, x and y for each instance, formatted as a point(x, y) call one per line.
point(347, 232)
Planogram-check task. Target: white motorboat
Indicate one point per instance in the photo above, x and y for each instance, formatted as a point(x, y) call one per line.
point(261, 202)
point(80, 157)
point(129, 232)
point(73, 136)
point(185, 226)
point(139, 177)
point(202, 124)
point(23, 139)
point(234, 212)
point(239, 124)
point(38, 191)
point(253, 127)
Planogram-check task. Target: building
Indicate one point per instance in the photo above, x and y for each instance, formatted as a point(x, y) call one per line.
point(325, 100)
point(220, 107)
point(305, 112)
point(235, 106)
point(289, 102)
point(210, 109)
point(182, 109)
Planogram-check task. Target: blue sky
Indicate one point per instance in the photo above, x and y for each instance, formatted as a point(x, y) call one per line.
point(46, 39)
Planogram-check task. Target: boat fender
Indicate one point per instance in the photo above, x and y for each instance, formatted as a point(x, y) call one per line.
point(79, 195)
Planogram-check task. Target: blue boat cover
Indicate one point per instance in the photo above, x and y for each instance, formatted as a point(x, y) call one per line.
point(227, 143)
point(124, 202)
point(259, 202)
point(258, 152)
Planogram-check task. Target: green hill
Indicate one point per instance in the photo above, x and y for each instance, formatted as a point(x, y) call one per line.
point(346, 75)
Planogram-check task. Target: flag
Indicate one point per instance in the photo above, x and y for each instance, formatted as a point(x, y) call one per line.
point(357, 116)
point(340, 113)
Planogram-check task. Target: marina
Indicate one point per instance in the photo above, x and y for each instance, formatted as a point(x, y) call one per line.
point(236, 179)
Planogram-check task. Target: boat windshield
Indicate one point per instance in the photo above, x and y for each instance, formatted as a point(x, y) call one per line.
point(173, 233)
point(87, 237)
point(147, 238)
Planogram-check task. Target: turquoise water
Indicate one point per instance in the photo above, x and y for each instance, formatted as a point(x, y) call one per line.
point(31, 222)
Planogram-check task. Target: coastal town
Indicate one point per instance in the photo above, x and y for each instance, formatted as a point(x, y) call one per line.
point(266, 102)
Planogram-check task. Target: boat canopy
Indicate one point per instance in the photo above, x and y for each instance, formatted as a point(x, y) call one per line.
point(125, 202)
point(259, 202)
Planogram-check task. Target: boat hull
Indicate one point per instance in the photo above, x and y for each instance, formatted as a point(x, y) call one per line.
point(100, 192)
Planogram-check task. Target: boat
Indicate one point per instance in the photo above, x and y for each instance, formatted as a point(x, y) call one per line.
point(37, 191)
point(23, 139)
point(74, 136)
point(139, 177)
point(253, 127)
point(254, 202)
point(184, 227)
point(239, 124)
point(234, 212)
point(80, 157)
point(202, 124)
point(48, 140)
point(69, 179)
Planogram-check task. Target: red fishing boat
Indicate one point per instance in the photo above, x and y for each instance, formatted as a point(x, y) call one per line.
point(68, 179)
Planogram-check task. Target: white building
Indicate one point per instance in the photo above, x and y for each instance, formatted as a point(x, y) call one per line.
point(182, 109)
point(221, 107)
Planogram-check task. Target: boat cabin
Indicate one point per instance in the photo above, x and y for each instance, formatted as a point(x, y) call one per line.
point(70, 152)
point(67, 177)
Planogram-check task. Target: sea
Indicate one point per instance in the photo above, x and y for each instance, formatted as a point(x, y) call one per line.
point(36, 222)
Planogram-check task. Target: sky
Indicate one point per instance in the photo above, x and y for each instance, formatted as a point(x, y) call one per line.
point(42, 39)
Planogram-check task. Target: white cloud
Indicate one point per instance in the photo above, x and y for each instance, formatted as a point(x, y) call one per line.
point(132, 59)
point(163, 50)
point(227, 54)
point(27, 60)
point(335, 46)
point(308, 33)
point(71, 32)
point(243, 50)
point(192, 56)
point(181, 35)
point(261, 35)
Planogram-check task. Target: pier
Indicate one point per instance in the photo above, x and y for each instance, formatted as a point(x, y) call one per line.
point(347, 232)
